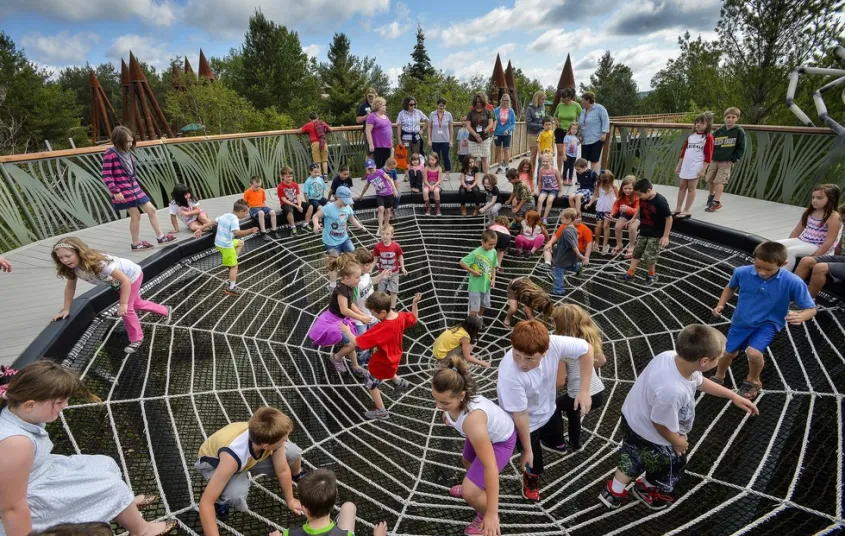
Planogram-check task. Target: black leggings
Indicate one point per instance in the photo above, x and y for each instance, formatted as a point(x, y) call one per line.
point(415, 178)
point(567, 405)
point(472, 194)
point(569, 168)
point(380, 155)
point(551, 433)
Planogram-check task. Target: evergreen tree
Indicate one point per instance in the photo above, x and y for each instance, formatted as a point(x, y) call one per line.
point(345, 79)
point(76, 79)
point(379, 80)
point(614, 86)
point(421, 67)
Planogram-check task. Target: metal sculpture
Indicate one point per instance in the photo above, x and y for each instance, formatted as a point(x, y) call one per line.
point(146, 119)
point(205, 68)
point(100, 105)
point(567, 80)
point(500, 84)
point(511, 83)
point(818, 94)
point(188, 68)
point(177, 77)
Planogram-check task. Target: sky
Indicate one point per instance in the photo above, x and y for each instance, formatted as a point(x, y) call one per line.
point(462, 38)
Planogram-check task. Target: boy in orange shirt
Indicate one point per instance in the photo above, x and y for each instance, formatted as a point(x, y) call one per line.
point(585, 243)
point(256, 198)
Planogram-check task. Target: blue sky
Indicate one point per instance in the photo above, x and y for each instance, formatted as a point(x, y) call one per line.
point(462, 38)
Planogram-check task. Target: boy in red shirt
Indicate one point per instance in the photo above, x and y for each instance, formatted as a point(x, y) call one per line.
point(389, 256)
point(317, 130)
point(387, 336)
point(290, 198)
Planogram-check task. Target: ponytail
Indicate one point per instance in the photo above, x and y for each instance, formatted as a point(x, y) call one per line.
point(345, 264)
point(453, 377)
point(41, 381)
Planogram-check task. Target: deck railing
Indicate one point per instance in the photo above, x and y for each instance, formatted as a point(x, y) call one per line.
point(51, 193)
point(780, 164)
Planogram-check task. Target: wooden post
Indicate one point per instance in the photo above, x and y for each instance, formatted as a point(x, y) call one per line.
point(605, 154)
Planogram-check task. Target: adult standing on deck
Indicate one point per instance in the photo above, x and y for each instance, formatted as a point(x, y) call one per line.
point(505, 119)
point(440, 133)
point(409, 126)
point(479, 123)
point(594, 126)
point(364, 110)
point(379, 132)
point(534, 115)
point(568, 111)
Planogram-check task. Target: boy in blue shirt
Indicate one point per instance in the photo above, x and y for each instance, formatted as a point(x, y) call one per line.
point(228, 228)
point(762, 310)
point(336, 218)
point(315, 190)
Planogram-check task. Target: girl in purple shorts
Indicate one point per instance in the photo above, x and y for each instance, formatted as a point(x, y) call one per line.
point(490, 439)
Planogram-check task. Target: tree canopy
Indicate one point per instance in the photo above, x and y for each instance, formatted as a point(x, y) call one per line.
point(614, 86)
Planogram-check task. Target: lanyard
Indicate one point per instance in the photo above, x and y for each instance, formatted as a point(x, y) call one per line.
point(440, 120)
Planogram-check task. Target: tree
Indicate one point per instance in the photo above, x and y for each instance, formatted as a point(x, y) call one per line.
point(614, 86)
point(76, 79)
point(434, 86)
point(379, 80)
point(526, 88)
point(345, 79)
point(421, 67)
point(764, 40)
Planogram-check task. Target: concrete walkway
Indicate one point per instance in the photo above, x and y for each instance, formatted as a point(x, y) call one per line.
point(32, 294)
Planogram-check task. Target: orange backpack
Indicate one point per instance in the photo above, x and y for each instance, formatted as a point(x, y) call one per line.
point(400, 153)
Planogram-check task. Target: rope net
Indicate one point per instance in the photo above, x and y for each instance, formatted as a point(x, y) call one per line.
point(223, 357)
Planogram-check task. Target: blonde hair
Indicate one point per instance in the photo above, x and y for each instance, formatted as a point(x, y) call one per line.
point(345, 265)
point(268, 426)
point(42, 381)
point(378, 102)
point(502, 220)
point(387, 228)
point(569, 214)
point(572, 320)
point(535, 100)
point(391, 162)
point(120, 138)
point(90, 260)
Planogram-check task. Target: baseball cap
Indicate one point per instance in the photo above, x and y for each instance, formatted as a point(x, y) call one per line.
point(344, 194)
point(313, 165)
point(370, 163)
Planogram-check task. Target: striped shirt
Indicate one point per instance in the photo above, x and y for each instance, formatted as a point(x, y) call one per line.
point(118, 180)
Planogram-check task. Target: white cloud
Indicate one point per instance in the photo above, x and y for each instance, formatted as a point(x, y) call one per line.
point(61, 48)
point(401, 10)
point(465, 64)
point(311, 50)
point(393, 74)
point(152, 12)
point(392, 30)
point(146, 48)
point(556, 40)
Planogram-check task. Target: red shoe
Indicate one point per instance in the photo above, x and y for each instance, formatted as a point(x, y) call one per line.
point(531, 486)
point(650, 496)
point(611, 499)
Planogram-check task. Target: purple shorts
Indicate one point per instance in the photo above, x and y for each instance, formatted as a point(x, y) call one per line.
point(503, 452)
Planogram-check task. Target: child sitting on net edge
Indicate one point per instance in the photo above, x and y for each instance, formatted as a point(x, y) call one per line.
point(387, 336)
point(318, 495)
point(658, 414)
point(259, 446)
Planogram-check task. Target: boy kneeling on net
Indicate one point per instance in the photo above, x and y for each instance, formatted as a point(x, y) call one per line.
point(259, 446)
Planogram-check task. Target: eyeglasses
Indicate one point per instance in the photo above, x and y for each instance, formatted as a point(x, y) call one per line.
point(412, 104)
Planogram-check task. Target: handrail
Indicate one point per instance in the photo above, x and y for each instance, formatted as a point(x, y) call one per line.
point(753, 128)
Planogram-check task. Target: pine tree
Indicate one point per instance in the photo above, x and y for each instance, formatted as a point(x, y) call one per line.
point(614, 86)
point(345, 79)
point(421, 66)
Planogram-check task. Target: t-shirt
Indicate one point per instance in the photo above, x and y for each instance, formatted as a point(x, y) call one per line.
point(585, 237)
point(387, 336)
point(463, 141)
point(335, 221)
point(448, 341)
point(697, 151)
point(315, 188)
point(529, 232)
point(661, 395)
point(310, 128)
point(653, 214)
point(255, 198)
point(363, 109)
point(341, 290)
point(484, 261)
point(500, 425)
point(289, 191)
point(381, 183)
point(570, 142)
point(337, 182)
point(325, 531)
point(587, 179)
point(365, 288)
point(548, 179)
point(469, 178)
point(535, 390)
point(567, 113)
point(129, 269)
point(478, 121)
point(573, 378)
point(728, 144)
point(546, 141)
point(766, 301)
point(382, 131)
point(565, 255)
point(440, 127)
point(176, 210)
point(387, 257)
point(522, 192)
point(492, 194)
point(227, 224)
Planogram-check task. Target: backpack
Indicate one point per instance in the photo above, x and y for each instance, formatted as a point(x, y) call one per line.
point(400, 153)
point(321, 130)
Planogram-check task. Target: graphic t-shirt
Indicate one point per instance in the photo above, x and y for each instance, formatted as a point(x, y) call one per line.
point(571, 144)
point(381, 183)
point(697, 151)
point(469, 178)
point(365, 288)
point(129, 269)
point(255, 198)
point(315, 188)
point(177, 210)
point(387, 257)
point(387, 336)
point(335, 221)
point(662, 396)
point(463, 141)
point(548, 179)
point(289, 191)
point(227, 224)
point(587, 179)
point(546, 141)
point(728, 144)
point(529, 232)
point(484, 261)
point(653, 214)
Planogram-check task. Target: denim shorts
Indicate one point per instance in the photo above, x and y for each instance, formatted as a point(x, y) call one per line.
point(253, 212)
point(336, 250)
point(503, 141)
point(550, 192)
point(602, 215)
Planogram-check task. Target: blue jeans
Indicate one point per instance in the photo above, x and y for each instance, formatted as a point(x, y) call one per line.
point(442, 149)
point(559, 272)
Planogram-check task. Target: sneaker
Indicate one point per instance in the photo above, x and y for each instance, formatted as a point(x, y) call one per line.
point(169, 237)
point(649, 280)
point(545, 221)
point(624, 277)
point(610, 499)
point(439, 213)
point(143, 244)
point(401, 385)
point(166, 320)
point(339, 365)
point(293, 229)
point(234, 291)
point(710, 200)
point(377, 414)
point(359, 371)
point(560, 449)
point(222, 511)
point(572, 449)
point(579, 269)
point(650, 496)
point(475, 527)
point(133, 347)
point(266, 237)
point(275, 234)
point(378, 233)
point(428, 212)
point(713, 207)
point(457, 491)
point(299, 476)
point(500, 170)
point(308, 227)
point(531, 486)
point(331, 285)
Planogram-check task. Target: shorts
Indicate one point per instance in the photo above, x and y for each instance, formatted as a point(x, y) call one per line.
point(550, 192)
point(480, 150)
point(477, 300)
point(835, 266)
point(719, 172)
point(288, 209)
point(389, 284)
point(319, 155)
point(532, 140)
point(253, 212)
point(757, 337)
point(503, 241)
point(336, 250)
point(230, 255)
point(503, 141)
point(586, 195)
point(386, 201)
point(662, 465)
point(236, 490)
point(601, 215)
point(137, 203)
point(648, 249)
point(317, 203)
point(529, 205)
point(592, 152)
point(502, 451)
point(559, 135)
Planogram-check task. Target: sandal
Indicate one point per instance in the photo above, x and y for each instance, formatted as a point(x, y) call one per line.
point(457, 491)
point(615, 251)
point(168, 527)
point(674, 214)
point(749, 390)
point(148, 500)
point(683, 216)
point(629, 254)
point(718, 381)
point(143, 244)
point(339, 365)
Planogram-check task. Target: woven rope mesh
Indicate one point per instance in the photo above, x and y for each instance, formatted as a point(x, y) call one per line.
point(223, 357)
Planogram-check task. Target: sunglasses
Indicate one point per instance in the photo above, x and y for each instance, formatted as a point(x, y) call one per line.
point(412, 104)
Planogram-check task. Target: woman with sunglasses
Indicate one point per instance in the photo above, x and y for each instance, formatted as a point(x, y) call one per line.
point(408, 126)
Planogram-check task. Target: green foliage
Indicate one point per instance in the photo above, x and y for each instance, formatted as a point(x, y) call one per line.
point(457, 94)
point(76, 79)
point(525, 88)
point(614, 86)
point(345, 79)
point(379, 80)
point(421, 67)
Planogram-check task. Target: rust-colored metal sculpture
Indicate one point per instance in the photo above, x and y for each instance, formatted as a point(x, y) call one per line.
point(567, 79)
point(511, 82)
point(146, 119)
point(101, 123)
point(177, 77)
point(124, 93)
point(188, 68)
point(205, 68)
point(500, 85)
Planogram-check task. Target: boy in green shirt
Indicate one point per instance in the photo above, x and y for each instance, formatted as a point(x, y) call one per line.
point(481, 265)
point(729, 146)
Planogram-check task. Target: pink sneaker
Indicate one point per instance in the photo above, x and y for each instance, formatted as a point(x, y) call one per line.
point(457, 492)
point(475, 526)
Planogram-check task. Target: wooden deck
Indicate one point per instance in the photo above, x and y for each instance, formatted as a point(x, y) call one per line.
point(33, 294)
